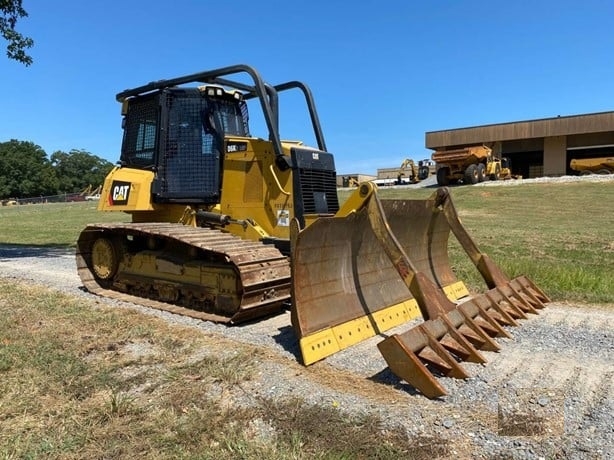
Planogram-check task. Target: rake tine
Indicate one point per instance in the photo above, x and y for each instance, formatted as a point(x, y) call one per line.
point(482, 319)
point(451, 367)
point(528, 297)
point(509, 312)
point(455, 348)
point(474, 355)
point(492, 317)
point(505, 317)
point(489, 343)
point(405, 364)
point(520, 303)
point(533, 288)
point(529, 292)
point(473, 337)
point(510, 305)
point(522, 297)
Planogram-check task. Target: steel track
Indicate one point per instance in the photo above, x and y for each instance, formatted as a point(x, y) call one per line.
point(264, 273)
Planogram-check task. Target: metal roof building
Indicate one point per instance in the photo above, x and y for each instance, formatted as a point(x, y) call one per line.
point(536, 147)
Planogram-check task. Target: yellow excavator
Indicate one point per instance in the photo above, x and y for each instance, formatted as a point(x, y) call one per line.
point(416, 173)
point(227, 226)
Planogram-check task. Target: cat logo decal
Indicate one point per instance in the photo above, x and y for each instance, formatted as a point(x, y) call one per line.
point(120, 191)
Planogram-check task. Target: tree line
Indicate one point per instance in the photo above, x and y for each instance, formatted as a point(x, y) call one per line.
point(26, 171)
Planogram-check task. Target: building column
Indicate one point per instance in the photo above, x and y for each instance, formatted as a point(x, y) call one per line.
point(555, 155)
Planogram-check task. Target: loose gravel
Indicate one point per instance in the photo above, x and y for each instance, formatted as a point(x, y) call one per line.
point(547, 394)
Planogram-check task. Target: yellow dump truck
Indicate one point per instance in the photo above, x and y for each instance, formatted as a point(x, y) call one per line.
point(470, 165)
point(593, 165)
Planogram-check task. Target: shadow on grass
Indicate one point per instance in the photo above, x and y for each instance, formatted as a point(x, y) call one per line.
point(16, 251)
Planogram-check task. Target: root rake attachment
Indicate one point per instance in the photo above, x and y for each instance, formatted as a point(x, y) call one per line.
point(459, 335)
point(386, 263)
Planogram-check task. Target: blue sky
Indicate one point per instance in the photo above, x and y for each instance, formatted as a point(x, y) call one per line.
point(382, 73)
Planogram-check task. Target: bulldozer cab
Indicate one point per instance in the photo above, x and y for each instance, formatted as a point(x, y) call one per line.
point(179, 133)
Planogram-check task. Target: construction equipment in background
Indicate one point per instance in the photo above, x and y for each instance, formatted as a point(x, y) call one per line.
point(506, 171)
point(416, 173)
point(584, 166)
point(90, 190)
point(86, 191)
point(471, 165)
point(94, 195)
point(228, 227)
point(428, 166)
point(89, 193)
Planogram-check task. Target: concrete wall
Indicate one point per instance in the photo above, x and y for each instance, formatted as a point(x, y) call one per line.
point(555, 155)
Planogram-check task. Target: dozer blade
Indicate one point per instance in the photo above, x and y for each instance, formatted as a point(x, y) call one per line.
point(345, 289)
point(389, 261)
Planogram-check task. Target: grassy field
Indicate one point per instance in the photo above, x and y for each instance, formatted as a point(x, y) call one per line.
point(51, 224)
point(560, 235)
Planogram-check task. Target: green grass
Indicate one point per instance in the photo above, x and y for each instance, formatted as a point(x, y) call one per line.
point(51, 224)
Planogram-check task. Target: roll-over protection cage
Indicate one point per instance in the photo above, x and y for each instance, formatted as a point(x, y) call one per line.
point(266, 94)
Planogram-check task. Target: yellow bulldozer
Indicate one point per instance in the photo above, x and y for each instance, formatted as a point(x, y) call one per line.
point(228, 227)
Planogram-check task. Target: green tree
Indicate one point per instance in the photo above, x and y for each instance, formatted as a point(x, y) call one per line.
point(78, 169)
point(25, 171)
point(10, 12)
